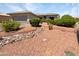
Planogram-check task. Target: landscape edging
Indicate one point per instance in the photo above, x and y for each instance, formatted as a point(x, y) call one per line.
point(17, 37)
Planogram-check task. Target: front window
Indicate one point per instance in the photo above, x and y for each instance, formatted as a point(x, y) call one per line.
point(52, 18)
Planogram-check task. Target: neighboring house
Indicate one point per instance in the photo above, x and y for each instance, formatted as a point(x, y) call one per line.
point(4, 17)
point(49, 15)
point(77, 18)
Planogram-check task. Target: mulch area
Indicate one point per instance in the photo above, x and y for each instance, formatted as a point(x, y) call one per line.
point(48, 43)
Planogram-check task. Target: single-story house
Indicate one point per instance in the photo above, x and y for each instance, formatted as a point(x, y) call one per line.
point(24, 15)
point(4, 17)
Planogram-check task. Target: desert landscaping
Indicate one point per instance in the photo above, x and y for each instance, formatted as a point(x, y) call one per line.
point(48, 42)
point(40, 37)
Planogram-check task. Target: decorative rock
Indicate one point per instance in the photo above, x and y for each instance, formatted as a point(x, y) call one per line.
point(0, 38)
point(7, 42)
point(18, 37)
point(44, 40)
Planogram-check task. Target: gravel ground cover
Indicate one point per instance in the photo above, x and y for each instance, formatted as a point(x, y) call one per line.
point(48, 43)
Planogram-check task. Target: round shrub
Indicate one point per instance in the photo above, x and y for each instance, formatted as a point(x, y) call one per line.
point(66, 20)
point(15, 25)
point(10, 25)
point(35, 22)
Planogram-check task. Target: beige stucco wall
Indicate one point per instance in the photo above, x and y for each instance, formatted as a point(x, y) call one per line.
point(3, 18)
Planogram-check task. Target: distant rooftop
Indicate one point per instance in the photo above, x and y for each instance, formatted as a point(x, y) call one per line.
point(23, 11)
point(47, 14)
point(27, 11)
point(3, 14)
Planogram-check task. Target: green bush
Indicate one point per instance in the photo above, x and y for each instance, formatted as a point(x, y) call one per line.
point(50, 21)
point(58, 22)
point(10, 25)
point(43, 20)
point(15, 25)
point(35, 22)
point(66, 20)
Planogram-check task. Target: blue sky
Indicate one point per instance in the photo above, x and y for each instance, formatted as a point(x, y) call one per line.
point(60, 8)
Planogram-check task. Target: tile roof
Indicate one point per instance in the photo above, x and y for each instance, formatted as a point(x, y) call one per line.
point(23, 11)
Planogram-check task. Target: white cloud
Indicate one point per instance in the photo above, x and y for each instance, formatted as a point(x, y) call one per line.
point(31, 7)
point(14, 8)
point(26, 6)
point(37, 8)
point(74, 12)
point(66, 12)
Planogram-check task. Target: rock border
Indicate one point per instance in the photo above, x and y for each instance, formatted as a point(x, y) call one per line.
point(17, 37)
